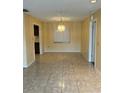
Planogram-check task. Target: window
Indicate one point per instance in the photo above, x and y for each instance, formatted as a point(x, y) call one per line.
point(61, 37)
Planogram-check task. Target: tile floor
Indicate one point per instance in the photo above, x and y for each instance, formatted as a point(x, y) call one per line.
point(61, 73)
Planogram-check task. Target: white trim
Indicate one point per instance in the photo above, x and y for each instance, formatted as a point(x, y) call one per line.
point(63, 51)
point(95, 40)
point(40, 40)
point(25, 66)
point(28, 65)
point(90, 33)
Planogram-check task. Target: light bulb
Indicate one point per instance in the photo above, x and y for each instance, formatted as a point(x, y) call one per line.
point(61, 28)
point(93, 1)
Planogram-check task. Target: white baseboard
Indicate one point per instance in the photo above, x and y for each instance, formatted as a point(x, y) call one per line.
point(62, 51)
point(25, 66)
point(28, 65)
point(41, 51)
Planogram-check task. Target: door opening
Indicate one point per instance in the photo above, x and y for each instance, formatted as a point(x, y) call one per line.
point(36, 43)
point(92, 47)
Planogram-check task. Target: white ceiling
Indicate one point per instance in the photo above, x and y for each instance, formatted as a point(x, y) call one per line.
point(71, 10)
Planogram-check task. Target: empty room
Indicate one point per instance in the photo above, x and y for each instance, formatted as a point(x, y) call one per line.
point(62, 46)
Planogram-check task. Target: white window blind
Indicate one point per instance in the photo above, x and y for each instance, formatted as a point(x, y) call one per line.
point(62, 37)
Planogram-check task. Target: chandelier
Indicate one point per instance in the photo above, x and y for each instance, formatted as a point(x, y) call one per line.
point(61, 26)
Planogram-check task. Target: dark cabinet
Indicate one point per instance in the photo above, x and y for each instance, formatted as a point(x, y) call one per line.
point(37, 48)
point(36, 30)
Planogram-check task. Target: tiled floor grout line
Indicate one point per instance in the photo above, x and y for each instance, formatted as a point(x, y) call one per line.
point(62, 73)
point(48, 79)
point(76, 81)
point(77, 86)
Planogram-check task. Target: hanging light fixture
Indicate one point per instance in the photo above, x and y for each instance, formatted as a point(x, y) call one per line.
point(61, 26)
point(93, 1)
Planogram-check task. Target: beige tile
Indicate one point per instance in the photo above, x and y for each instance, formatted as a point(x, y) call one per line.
point(61, 73)
point(52, 90)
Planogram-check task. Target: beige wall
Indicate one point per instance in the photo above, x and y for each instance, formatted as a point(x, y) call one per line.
point(97, 15)
point(75, 37)
point(24, 45)
point(40, 24)
point(79, 38)
point(28, 39)
point(85, 38)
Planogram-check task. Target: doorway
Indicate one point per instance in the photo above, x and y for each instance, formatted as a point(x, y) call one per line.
point(92, 42)
point(36, 43)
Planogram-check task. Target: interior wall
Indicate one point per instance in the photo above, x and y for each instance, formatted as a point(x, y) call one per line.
point(85, 38)
point(29, 39)
point(40, 24)
point(75, 37)
point(79, 38)
point(24, 45)
point(97, 15)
